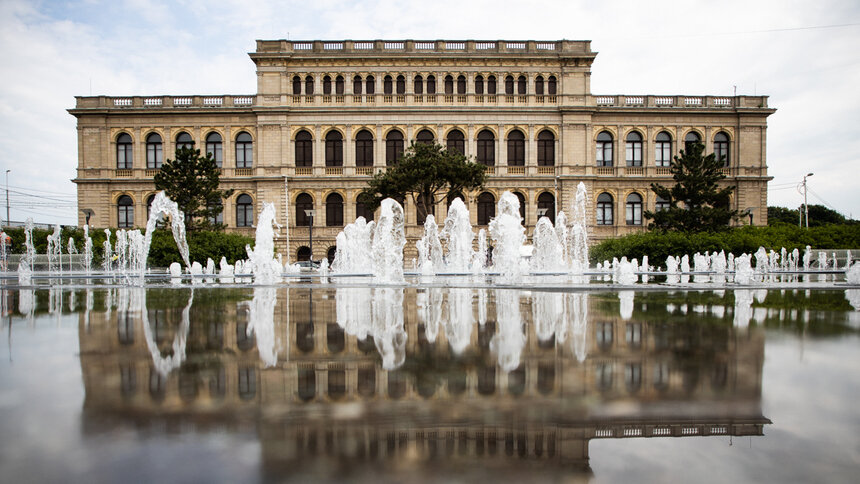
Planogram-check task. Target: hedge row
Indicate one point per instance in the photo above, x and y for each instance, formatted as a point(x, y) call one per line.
point(659, 245)
point(162, 250)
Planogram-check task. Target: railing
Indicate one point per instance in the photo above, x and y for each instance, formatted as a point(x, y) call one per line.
point(425, 45)
point(605, 170)
point(479, 98)
point(151, 172)
point(243, 100)
point(338, 99)
point(418, 98)
point(682, 101)
point(122, 101)
point(152, 101)
point(309, 99)
point(364, 170)
point(516, 170)
point(539, 99)
point(388, 98)
point(491, 98)
point(663, 170)
point(490, 170)
point(356, 98)
point(333, 46)
point(213, 101)
point(400, 98)
point(124, 172)
point(455, 45)
point(326, 99)
point(546, 170)
point(304, 170)
point(461, 98)
point(635, 170)
point(183, 101)
point(362, 45)
point(334, 170)
point(244, 171)
point(449, 99)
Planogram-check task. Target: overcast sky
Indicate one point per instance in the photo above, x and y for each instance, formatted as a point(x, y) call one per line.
point(805, 55)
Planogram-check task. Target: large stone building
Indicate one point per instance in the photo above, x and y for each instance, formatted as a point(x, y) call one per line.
point(329, 114)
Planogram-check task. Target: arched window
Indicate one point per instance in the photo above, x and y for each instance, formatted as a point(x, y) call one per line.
point(539, 86)
point(546, 201)
point(634, 209)
point(521, 85)
point(125, 212)
point(509, 85)
point(604, 209)
point(333, 149)
point(546, 148)
point(522, 199)
point(361, 210)
point(491, 85)
point(661, 204)
point(244, 211)
point(303, 253)
point(123, 152)
point(456, 141)
point(214, 149)
point(183, 140)
point(330, 253)
point(401, 84)
point(297, 86)
point(479, 84)
point(604, 149)
point(486, 208)
point(370, 85)
point(486, 148)
point(304, 149)
point(449, 84)
point(551, 86)
point(356, 85)
point(431, 84)
point(634, 149)
point(244, 150)
point(393, 147)
point(461, 84)
point(516, 148)
point(303, 202)
point(418, 85)
point(338, 85)
point(309, 85)
point(153, 151)
point(420, 213)
point(364, 148)
point(721, 147)
point(425, 136)
point(334, 210)
point(387, 85)
point(691, 139)
point(663, 149)
point(327, 85)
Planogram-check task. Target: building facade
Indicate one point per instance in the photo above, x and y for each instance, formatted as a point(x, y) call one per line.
point(327, 115)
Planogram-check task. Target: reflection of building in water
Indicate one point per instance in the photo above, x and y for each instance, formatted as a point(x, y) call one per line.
point(328, 394)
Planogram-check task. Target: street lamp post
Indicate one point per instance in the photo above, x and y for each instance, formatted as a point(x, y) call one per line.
point(805, 205)
point(7, 197)
point(310, 214)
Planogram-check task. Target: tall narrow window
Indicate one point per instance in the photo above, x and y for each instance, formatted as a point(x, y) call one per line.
point(461, 84)
point(338, 85)
point(521, 85)
point(123, 152)
point(486, 148)
point(387, 85)
point(509, 85)
point(214, 148)
point(486, 208)
point(721, 147)
point(479, 84)
point(449, 84)
point(456, 141)
point(663, 149)
point(604, 149)
point(244, 211)
point(334, 210)
point(491, 85)
point(551, 86)
point(303, 202)
point(309, 85)
point(327, 85)
point(539, 85)
point(425, 136)
point(297, 86)
point(125, 212)
point(431, 84)
point(401, 85)
point(634, 149)
point(516, 148)
point(356, 85)
point(244, 150)
point(393, 147)
point(333, 149)
point(364, 148)
point(633, 209)
point(546, 202)
point(418, 85)
point(604, 209)
point(690, 140)
point(370, 85)
point(546, 148)
point(304, 149)
point(153, 151)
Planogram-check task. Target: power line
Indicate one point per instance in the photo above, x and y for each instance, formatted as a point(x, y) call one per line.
point(35, 196)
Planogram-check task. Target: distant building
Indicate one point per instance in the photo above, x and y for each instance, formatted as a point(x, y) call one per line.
point(329, 114)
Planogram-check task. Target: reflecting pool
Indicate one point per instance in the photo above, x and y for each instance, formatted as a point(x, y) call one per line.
point(428, 384)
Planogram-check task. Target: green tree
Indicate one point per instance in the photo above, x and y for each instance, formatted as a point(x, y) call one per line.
point(426, 172)
point(782, 215)
point(696, 202)
point(192, 182)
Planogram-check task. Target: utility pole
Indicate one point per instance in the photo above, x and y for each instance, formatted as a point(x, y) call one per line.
point(310, 215)
point(805, 205)
point(7, 197)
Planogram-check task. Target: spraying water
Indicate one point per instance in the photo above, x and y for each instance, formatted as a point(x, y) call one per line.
point(458, 236)
point(387, 245)
point(508, 236)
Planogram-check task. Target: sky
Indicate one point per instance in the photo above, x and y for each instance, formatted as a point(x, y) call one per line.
point(804, 55)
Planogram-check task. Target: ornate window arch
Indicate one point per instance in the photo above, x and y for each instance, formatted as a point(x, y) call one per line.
point(605, 209)
point(633, 209)
point(393, 147)
point(124, 212)
point(546, 148)
point(333, 148)
point(486, 148)
point(546, 201)
point(304, 146)
point(486, 208)
point(244, 211)
point(334, 210)
point(154, 156)
point(721, 147)
point(456, 140)
point(364, 148)
point(634, 149)
point(214, 147)
point(303, 202)
point(516, 148)
point(124, 156)
point(244, 150)
point(663, 149)
point(604, 149)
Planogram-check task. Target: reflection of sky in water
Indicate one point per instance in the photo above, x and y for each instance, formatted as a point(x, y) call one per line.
point(808, 388)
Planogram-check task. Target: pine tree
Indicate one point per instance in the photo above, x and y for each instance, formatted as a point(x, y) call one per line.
point(696, 201)
point(192, 182)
